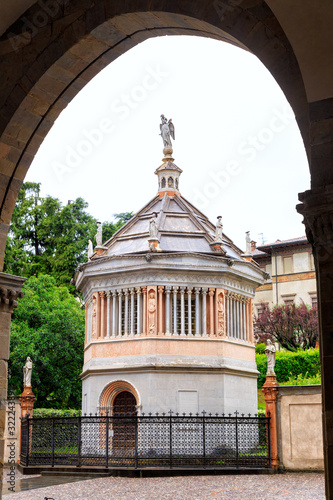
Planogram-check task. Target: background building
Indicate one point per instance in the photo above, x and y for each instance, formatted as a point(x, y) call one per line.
point(291, 270)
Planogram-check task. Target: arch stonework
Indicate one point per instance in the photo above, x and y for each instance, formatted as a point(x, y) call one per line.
point(112, 389)
point(45, 65)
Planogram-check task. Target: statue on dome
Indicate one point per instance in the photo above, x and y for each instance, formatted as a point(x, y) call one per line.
point(90, 249)
point(98, 235)
point(27, 371)
point(248, 243)
point(167, 129)
point(153, 228)
point(219, 229)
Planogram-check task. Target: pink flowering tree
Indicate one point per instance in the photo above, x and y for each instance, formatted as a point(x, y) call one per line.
point(292, 326)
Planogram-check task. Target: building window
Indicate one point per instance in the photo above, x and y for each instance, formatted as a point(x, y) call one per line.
point(287, 265)
point(313, 297)
point(163, 183)
point(288, 298)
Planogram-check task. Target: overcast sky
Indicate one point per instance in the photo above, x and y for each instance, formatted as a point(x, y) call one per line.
point(237, 140)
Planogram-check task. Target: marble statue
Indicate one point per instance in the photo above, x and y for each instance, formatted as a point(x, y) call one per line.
point(99, 234)
point(248, 243)
point(90, 249)
point(219, 229)
point(27, 371)
point(270, 354)
point(167, 129)
point(153, 229)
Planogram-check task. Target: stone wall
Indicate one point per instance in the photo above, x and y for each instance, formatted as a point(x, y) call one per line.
point(300, 437)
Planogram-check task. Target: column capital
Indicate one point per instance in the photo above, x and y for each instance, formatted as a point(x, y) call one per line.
point(125, 291)
point(132, 291)
point(189, 290)
point(114, 293)
point(316, 207)
point(204, 291)
point(197, 290)
point(102, 293)
point(138, 290)
point(182, 289)
point(108, 293)
point(175, 289)
point(120, 293)
point(168, 289)
point(211, 292)
point(160, 288)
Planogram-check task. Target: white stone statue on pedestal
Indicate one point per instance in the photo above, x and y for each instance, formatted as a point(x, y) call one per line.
point(270, 354)
point(99, 234)
point(153, 229)
point(90, 249)
point(248, 243)
point(219, 229)
point(27, 371)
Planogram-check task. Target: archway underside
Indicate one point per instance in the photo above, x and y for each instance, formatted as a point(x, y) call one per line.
point(59, 58)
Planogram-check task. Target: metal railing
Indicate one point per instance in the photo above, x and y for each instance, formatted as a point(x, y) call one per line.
point(167, 441)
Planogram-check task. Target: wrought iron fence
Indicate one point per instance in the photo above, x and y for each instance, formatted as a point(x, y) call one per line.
point(144, 441)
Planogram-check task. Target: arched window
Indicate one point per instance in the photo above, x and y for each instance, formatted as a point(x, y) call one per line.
point(170, 182)
point(163, 183)
point(176, 182)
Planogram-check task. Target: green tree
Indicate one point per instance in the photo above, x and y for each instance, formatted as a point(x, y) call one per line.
point(48, 326)
point(109, 228)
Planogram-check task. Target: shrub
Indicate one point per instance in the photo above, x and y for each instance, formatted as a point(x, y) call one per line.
point(50, 412)
point(290, 365)
point(260, 348)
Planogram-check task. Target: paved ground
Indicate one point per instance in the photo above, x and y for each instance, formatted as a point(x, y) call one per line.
point(289, 486)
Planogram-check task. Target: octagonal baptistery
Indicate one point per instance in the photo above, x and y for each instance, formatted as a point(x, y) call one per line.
point(169, 313)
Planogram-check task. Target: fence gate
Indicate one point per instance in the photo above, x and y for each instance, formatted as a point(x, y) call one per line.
point(167, 441)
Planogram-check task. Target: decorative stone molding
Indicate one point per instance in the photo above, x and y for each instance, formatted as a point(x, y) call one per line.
point(317, 211)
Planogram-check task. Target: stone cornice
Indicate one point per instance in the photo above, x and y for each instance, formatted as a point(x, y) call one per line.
point(10, 291)
point(195, 268)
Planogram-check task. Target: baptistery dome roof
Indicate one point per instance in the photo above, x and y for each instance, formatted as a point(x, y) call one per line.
point(180, 228)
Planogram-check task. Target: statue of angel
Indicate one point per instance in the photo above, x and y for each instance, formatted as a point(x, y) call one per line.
point(167, 129)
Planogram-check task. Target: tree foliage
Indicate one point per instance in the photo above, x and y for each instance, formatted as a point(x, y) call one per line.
point(48, 326)
point(49, 238)
point(292, 326)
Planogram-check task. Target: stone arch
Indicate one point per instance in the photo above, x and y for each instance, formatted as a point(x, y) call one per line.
point(74, 43)
point(112, 389)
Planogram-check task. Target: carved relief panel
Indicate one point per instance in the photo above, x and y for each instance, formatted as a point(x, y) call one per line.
point(220, 324)
point(151, 310)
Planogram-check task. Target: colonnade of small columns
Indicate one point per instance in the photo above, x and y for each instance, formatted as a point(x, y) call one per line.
point(169, 310)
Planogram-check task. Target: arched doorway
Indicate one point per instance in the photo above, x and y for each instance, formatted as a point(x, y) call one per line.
point(124, 425)
point(124, 404)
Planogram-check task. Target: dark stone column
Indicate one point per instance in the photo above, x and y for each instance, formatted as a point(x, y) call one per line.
point(317, 209)
point(10, 291)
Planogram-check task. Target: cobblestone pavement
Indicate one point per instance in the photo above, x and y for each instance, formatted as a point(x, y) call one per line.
point(288, 486)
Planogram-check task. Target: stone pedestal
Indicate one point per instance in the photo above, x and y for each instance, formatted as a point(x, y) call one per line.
point(270, 390)
point(27, 400)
